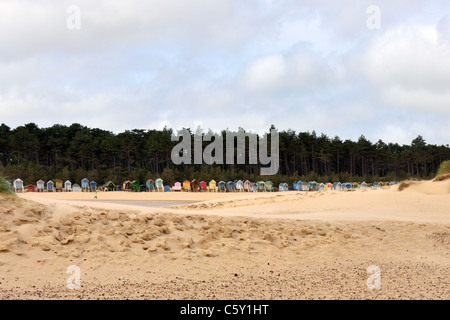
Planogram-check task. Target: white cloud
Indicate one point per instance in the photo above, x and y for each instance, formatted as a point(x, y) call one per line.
point(36, 27)
point(297, 71)
point(310, 65)
point(409, 67)
point(422, 100)
point(265, 73)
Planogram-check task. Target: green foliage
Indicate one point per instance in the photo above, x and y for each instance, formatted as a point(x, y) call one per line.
point(64, 175)
point(168, 177)
point(78, 175)
point(5, 186)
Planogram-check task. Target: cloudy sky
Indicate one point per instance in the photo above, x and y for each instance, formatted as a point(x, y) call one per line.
point(322, 65)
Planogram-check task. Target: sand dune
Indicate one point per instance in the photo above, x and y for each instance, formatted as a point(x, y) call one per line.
point(228, 246)
point(429, 187)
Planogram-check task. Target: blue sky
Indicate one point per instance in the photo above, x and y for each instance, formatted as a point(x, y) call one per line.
point(301, 65)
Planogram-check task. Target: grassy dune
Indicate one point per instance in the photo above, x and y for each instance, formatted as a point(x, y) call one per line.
point(443, 172)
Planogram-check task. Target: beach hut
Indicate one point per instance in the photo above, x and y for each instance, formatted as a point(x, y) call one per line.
point(347, 186)
point(187, 185)
point(222, 186)
point(203, 186)
point(194, 185)
point(283, 187)
point(59, 186)
point(355, 185)
point(67, 186)
point(50, 186)
point(167, 189)
point(76, 188)
point(298, 186)
point(126, 186)
point(260, 186)
point(109, 186)
point(212, 186)
point(40, 186)
point(143, 188)
point(247, 186)
point(239, 186)
point(230, 186)
point(159, 185)
point(320, 187)
point(387, 184)
point(150, 185)
point(31, 188)
point(303, 186)
point(363, 185)
point(312, 186)
point(85, 185)
point(18, 185)
point(118, 188)
point(380, 184)
point(337, 186)
point(135, 186)
point(93, 185)
point(177, 186)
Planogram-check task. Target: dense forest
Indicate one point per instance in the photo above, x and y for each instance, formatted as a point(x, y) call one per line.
point(74, 152)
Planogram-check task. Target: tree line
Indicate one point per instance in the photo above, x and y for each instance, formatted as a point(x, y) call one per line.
point(76, 151)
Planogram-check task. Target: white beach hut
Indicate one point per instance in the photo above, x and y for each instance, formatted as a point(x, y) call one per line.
point(18, 185)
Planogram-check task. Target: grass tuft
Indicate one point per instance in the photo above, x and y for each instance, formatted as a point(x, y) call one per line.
point(443, 172)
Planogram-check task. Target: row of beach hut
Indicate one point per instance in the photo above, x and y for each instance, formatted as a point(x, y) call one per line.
point(57, 186)
point(268, 186)
point(314, 186)
point(149, 186)
point(189, 186)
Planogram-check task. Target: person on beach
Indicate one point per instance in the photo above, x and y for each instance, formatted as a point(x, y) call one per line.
point(95, 195)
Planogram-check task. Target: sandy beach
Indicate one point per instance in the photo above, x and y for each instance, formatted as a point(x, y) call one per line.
point(290, 245)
